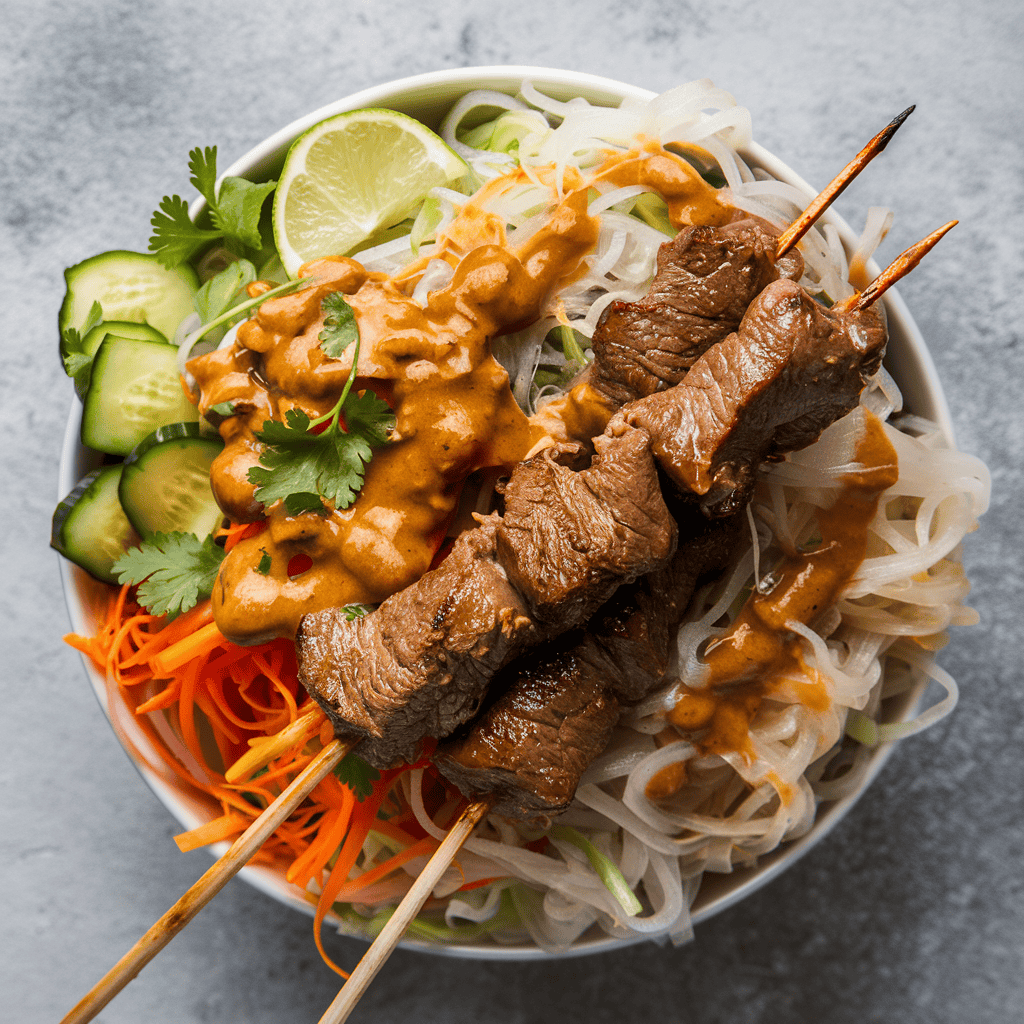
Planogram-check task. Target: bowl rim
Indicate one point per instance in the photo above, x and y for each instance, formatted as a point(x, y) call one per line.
point(911, 364)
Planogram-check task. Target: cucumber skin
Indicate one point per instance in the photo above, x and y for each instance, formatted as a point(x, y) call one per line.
point(103, 330)
point(98, 413)
point(75, 308)
point(83, 549)
point(135, 464)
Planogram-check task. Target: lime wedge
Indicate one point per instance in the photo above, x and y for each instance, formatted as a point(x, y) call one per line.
point(352, 176)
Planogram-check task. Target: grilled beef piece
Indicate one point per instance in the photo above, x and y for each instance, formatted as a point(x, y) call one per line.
point(532, 746)
point(568, 539)
point(557, 708)
point(793, 368)
point(419, 665)
point(706, 278)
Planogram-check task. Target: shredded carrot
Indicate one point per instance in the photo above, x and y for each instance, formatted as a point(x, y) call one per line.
point(480, 883)
point(206, 704)
point(224, 827)
point(351, 890)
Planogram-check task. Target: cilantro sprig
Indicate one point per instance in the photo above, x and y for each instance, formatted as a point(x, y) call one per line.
point(307, 462)
point(234, 213)
point(355, 773)
point(77, 362)
point(174, 571)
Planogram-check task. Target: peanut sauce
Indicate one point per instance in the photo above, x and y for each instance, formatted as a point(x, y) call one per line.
point(453, 405)
point(690, 199)
point(756, 658)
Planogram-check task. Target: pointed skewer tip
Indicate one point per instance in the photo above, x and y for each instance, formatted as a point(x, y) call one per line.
point(827, 196)
point(899, 268)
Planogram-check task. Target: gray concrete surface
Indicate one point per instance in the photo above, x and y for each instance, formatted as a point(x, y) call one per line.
point(913, 910)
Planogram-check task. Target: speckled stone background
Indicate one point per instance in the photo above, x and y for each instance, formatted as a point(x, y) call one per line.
point(911, 911)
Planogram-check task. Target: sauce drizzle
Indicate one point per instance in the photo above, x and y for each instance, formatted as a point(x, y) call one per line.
point(757, 657)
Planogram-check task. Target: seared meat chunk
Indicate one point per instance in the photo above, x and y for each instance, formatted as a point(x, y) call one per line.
point(532, 746)
point(793, 368)
point(557, 707)
point(420, 664)
point(706, 278)
point(567, 540)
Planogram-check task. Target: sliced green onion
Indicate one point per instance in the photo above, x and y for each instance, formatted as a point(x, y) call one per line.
point(653, 210)
point(431, 930)
point(571, 347)
point(425, 224)
point(613, 879)
point(281, 289)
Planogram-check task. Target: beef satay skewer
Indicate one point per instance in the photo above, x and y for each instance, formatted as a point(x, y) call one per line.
point(385, 943)
point(649, 538)
point(211, 883)
point(831, 192)
point(900, 267)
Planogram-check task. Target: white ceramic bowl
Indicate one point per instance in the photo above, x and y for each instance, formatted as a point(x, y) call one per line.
point(428, 97)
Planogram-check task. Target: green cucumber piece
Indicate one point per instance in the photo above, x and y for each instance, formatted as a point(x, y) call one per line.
point(92, 341)
point(165, 484)
point(131, 286)
point(135, 388)
point(90, 527)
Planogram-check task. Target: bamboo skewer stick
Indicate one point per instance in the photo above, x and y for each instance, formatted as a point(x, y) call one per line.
point(384, 945)
point(218, 875)
point(900, 267)
point(824, 199)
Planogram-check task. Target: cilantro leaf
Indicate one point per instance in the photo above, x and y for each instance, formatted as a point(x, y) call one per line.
point(355, 773)
point(237, 210)
point(225, 409)
point(203, 165)
point(175, 238)
point(234, 213)
point(219, 293)
point(300, 467)
point(340, 327)
point(72, 343)
point(264, 566)
point(173, 570)
point(307, 462)
point(370, 417)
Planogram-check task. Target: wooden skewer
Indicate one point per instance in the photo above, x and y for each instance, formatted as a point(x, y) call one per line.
point(824, 199)
point(208, 885)
point(900, 267)
point(383, 946)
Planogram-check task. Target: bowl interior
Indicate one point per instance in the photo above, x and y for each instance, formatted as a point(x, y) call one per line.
point(428, 97)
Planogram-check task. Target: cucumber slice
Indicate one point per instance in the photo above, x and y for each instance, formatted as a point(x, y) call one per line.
point(92, 341)
point(134, 389)
point(165, 484)
point(131, 286)
point(90, 527)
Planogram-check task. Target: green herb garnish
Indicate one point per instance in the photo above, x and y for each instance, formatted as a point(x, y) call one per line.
point(340, 327)
point(234, 213)
point(72, 344)
point(355, 773)
point(304, 466)
point(221, 292)
point(264, 564)
point(173, 570)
